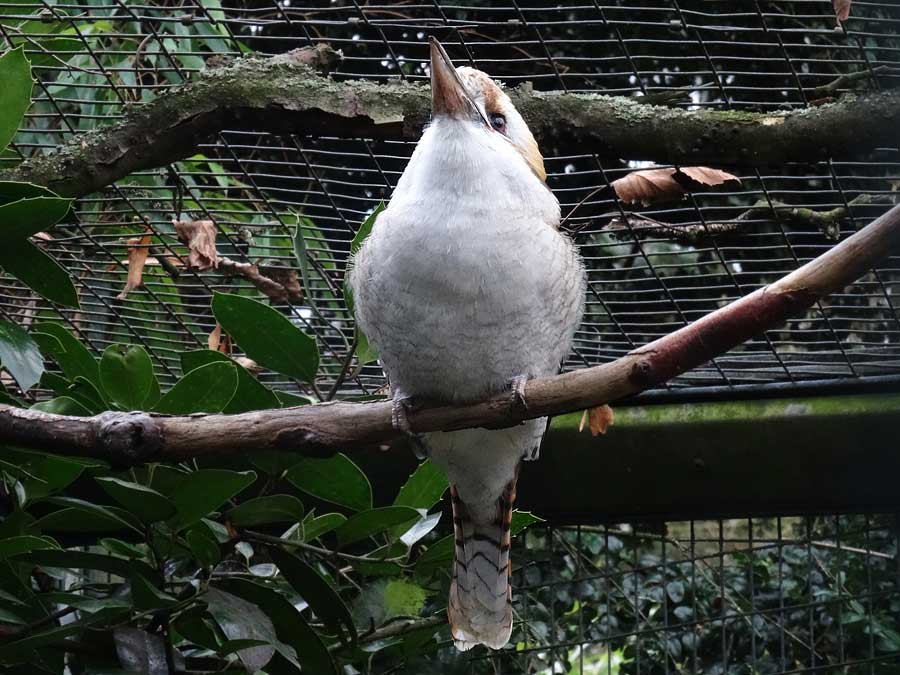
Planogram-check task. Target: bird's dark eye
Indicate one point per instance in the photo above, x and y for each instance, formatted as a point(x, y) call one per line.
point(498, 121)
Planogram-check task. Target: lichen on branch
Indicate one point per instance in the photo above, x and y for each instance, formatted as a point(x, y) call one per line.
point(285, 94)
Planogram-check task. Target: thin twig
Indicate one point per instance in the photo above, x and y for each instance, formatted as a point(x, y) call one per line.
point(345, 366)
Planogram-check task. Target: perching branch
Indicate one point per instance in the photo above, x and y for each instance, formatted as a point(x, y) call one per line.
point(125, 439)
point(284, 94)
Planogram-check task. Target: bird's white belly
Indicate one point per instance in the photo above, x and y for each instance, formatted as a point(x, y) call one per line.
point(459, 316)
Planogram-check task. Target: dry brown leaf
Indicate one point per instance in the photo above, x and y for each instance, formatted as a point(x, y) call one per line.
point(249, 364)
point(650, 186)
point(288, 278)
point(598, 419)
point(138, 249)
point(200, 238)
point(219, 341)
point(705, 176)
point(842, 9)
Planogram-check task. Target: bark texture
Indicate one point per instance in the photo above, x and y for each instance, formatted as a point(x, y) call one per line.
point(126, 439)
point(285, 94)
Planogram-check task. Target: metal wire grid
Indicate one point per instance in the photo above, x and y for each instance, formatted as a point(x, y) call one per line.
point(257, 187)
point(780, 595)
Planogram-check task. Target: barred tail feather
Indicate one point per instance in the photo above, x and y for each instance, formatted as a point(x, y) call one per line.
point(480, 605)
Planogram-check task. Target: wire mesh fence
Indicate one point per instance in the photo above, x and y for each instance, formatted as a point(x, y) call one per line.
point(780, 595)
point(651, 270)
point(774, 596)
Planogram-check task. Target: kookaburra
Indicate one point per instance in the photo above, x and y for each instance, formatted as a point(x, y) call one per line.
point(467, 288)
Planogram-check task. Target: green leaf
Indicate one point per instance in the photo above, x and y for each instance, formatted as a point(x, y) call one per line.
point(15, 83)
point(144, 502)
point(316, 590)
point(242, 620)
point(371, 522)
point(403, 598)
point(126, 375)
point(290, 626)
point(77, 520)
point(269, 509)
point(20, 355)
point(365, 229)
point(316, 527)
point(365, 351)
point(289, 400)
point(207, 389)
point(13, 191)
point(23, 544)
point(70, 559)
point(120, 516)
point(522, 520)
point(85, 603)
point(203, 491)
point(251, 394)
point(26, 217)
point(267, 336)
point(122, 548)
point(437, 554)
point(63, 405)
point(146, 596)
point(75, 360)
point(203, 545)
point(424, 488)
point(335, 479)
point(301, 254)
point(51, 474)
point(139, 651)
point(40, 272)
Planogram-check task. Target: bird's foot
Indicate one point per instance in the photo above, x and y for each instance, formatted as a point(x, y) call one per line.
point(401, 406)
point(517, 393)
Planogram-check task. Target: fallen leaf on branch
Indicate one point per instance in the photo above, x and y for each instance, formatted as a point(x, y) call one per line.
point(280, 284)
point(598, 419)
point(138, 249)
point(287, 277)
point(842, 9)
point(200, 238)
point(650, 186)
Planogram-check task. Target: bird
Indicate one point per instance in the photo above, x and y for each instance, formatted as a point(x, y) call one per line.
point(467, 288)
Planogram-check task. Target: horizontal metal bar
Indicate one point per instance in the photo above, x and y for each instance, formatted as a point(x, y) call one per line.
point(818, 387)
point(816, 455)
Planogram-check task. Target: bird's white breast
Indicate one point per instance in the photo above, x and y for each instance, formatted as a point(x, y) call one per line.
point(465, 282)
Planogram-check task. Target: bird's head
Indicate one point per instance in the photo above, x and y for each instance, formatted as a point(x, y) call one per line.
point(469, 96)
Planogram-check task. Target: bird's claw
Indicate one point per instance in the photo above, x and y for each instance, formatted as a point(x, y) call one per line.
point(400, 408)
point(517, 393)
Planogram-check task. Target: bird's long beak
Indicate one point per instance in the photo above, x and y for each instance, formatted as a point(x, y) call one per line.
point(448, 93)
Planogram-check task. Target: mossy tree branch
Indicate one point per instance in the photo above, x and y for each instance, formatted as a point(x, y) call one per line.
point(131, 438)
point(285, 94)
